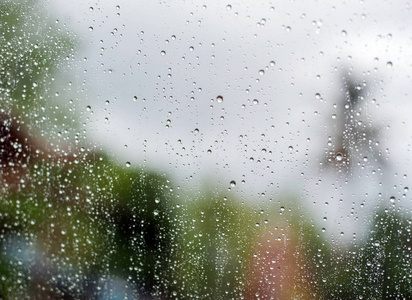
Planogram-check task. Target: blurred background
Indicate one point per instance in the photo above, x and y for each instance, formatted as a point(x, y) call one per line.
point(183, 150)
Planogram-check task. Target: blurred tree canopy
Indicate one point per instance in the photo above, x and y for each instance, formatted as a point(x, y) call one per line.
point(32, 51)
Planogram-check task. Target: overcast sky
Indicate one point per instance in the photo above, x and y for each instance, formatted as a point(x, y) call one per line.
point(268, 61)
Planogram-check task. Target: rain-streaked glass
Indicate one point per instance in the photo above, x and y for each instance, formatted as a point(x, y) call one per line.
point(205, 150)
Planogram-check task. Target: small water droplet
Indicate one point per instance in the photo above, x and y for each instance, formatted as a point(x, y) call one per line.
point(272, 63)
point(163, 52)
point(261, 72)
point(134, 98)
point(255, 101)
point(219, 99)
point(339, 156)
point(128, 164)
point(228, 7)
point(233, 183)
point(389, 64)
point(90, 28)
point(344, 33)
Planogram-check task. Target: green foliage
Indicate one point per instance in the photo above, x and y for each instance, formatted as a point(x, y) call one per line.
point(385, 263)
point(214, 245)
point(31, 51)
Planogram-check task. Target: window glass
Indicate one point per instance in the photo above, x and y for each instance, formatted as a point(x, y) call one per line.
point(205, 150)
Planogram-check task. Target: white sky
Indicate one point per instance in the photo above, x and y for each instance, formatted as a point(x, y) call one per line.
point(311, 44)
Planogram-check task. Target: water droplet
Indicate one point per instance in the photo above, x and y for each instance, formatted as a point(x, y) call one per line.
point(389, 64)
point(339, 156)
point(196, 130)
point(344, 33)
point(255, 101)
point(228, 7)
point(392, 199)
point(156, 212)
point(134, 98)
point(219, 99)
point(128, 164)
point(290, 148)
point(163, 52)
point(272, 63)
point(317, 96)
point(261, 72)
point(233, 183)
point(88, 108)
point(90, 28)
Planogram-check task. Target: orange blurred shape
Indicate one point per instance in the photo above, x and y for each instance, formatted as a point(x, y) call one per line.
point(277, 269)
